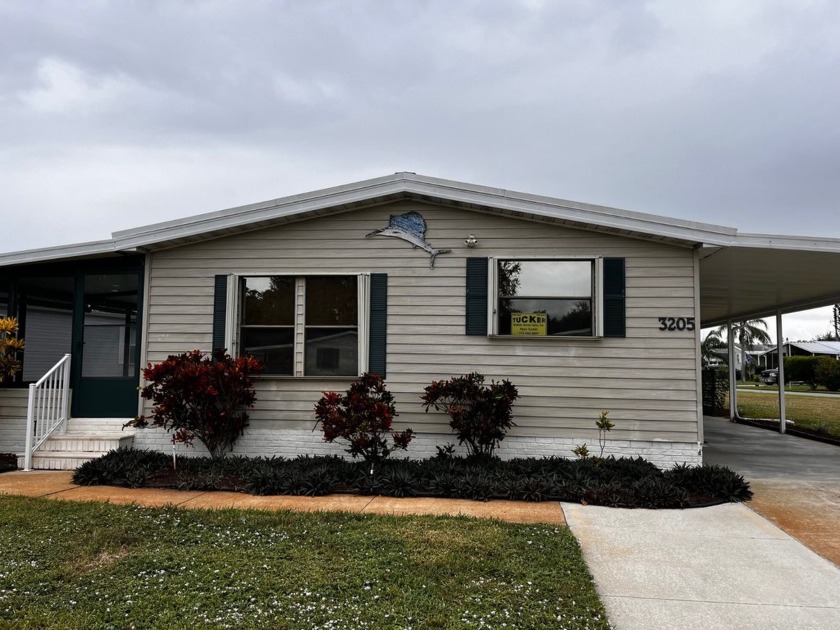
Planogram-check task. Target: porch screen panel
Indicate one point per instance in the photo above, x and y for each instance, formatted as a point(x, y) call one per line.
point(110, 326)
point(46, 318)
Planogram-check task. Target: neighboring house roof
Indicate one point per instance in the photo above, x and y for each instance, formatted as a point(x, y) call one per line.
point(741, 275)
point(814, 347)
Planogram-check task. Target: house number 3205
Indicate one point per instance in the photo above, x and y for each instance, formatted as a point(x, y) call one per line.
point(676, 323)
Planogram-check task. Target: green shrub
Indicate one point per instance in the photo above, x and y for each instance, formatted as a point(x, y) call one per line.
point(803, 369)
point(828, 373)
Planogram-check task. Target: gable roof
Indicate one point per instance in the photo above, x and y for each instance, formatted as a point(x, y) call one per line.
point(383, 190)
point(741, 275)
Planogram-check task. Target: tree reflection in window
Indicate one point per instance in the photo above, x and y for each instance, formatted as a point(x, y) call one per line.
point(562, 289)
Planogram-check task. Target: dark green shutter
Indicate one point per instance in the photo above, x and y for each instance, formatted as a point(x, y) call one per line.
point(219, 312)
point(476, 323)
point(377, 341)
point(614, 309)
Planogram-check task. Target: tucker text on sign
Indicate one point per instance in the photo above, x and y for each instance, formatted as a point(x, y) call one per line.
point(529, 324)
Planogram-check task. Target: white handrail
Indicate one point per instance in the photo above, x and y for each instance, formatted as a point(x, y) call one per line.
point(48, 407)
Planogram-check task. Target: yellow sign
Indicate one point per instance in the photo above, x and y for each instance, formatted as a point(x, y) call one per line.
point(532, 324)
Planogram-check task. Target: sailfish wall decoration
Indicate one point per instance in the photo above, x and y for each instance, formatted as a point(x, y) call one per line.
point(410, 227)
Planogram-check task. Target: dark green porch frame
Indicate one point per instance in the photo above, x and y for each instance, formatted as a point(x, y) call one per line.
point(116, 397)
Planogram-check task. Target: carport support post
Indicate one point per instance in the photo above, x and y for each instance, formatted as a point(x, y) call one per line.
point(733, 396)
point(780, 347)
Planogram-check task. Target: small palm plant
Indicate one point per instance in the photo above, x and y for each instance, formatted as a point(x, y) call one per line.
point(604, 425)
point(10, 347)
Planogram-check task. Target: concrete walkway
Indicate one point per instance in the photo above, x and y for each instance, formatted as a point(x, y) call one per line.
point(717, 567)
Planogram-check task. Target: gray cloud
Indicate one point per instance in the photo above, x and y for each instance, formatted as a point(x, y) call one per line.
point(120, 114)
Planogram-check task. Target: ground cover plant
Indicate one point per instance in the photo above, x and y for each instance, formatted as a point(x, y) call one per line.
point(621, 482)
point(93, 565)
point(8, 462)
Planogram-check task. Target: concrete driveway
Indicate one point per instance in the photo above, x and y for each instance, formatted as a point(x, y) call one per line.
point(796, 481)
point(725, 566)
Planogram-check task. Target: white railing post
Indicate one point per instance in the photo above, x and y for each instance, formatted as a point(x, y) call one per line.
point(30, 427)
point(65, 393)
point(48, 407)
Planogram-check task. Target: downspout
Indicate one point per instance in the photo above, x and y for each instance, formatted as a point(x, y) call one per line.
point(733, 394)
point(780, 348)
point(698, 355)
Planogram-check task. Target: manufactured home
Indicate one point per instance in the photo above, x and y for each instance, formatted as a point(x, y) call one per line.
point(583, 308)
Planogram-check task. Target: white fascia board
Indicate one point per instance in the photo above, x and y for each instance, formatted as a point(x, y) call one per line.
point(774, 241)
point(298, 205)
point(410, 183)
point(576, 212)
point(45, 254)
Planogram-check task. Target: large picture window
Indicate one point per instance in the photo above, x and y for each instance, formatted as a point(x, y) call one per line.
point(545, 298)
point(301, 325)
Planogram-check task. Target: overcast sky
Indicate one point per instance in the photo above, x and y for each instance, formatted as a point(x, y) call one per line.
point(118, 114)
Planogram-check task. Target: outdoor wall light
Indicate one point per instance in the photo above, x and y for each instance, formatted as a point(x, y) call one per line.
point(471, 241)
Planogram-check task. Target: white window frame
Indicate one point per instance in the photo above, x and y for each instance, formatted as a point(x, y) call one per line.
point(234, 317)
point(597, 296)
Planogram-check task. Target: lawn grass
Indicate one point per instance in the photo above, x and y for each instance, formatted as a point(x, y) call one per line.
point(788, 388)
point(821, 414)
point(85, 565)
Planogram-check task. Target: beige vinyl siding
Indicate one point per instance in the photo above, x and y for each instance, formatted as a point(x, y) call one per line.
point(13, 406)
point(647, 381)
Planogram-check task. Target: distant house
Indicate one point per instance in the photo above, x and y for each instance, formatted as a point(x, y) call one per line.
point(803, 349)
point(584, 308)
point(755, 356)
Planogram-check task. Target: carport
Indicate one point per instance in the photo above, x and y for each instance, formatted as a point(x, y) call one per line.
point(758, 275)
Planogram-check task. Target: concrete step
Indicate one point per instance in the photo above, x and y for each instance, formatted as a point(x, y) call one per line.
point(58, 460)
point(96, 425)
point(82, 442)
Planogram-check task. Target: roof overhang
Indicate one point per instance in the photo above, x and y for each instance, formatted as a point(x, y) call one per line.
point(758, 276)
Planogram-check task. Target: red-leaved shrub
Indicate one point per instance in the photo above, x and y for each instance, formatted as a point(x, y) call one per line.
point(200, 397)
point(480, 414)
point(362, 416)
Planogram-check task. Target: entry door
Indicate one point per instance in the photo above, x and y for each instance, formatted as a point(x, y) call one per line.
point(107, 373)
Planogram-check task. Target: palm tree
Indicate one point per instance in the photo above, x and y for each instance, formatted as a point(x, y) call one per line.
point(710, 346)
point(748, 333)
